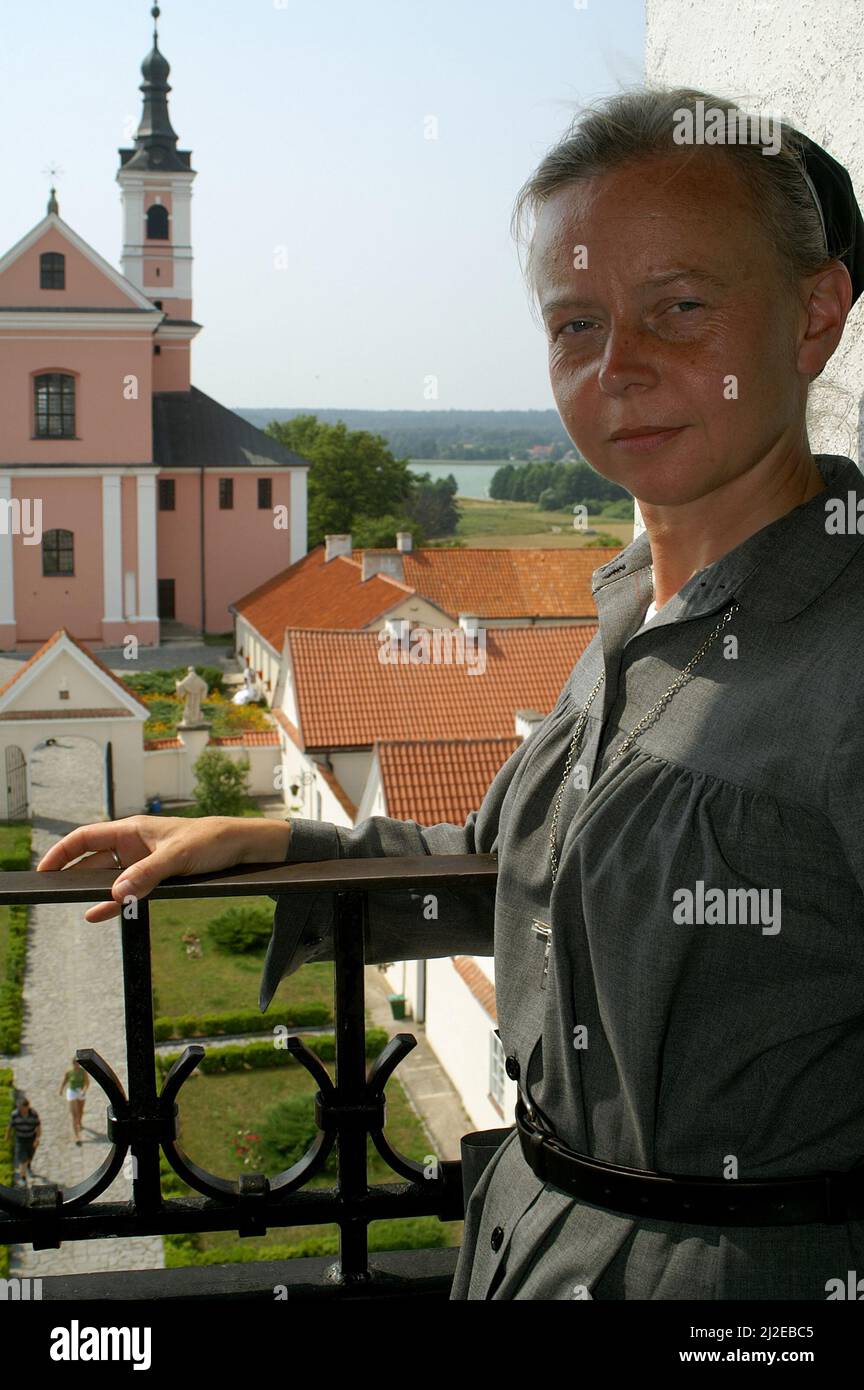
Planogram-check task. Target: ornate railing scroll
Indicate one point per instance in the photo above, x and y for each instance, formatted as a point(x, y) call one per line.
point(349, 1106)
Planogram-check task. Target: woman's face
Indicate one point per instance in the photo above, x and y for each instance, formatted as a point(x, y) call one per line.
point(680, 318)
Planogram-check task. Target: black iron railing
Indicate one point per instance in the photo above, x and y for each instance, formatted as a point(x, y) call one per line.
point(349, 1107)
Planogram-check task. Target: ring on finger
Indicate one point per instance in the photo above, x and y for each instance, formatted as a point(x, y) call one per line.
point(116, 858)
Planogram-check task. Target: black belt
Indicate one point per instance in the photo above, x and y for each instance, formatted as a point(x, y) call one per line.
point(827, 1197)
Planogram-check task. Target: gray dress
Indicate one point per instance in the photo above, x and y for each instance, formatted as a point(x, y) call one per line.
point(706, 1043)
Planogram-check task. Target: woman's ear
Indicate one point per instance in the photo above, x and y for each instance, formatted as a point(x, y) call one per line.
point(827, 304)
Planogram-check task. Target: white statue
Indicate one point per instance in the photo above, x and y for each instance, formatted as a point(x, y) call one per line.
point(193, 688)
point(248, 692)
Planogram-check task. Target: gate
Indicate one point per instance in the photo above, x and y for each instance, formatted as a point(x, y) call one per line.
point(16, 785)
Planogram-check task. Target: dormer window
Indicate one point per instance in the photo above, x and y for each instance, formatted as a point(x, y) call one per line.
point(157, 222)
point(54, 406)
point(52, 271)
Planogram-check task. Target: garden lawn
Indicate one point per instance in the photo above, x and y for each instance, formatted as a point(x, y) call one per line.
point(15, 845)
point(219, 981)
point(216, 1111)
point(500, 524)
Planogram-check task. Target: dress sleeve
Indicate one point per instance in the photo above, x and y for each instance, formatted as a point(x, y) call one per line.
point(402, 924)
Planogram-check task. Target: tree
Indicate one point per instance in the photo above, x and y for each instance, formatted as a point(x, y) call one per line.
point(221, 784)
point(432, 505)
point(353, 474)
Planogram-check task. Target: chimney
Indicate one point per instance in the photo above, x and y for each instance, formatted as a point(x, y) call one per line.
point(382, 562)
point(337, 545)
point(404, 542)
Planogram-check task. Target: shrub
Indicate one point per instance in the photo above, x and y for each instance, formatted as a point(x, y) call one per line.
point(242, 929)
point(288, 1131)
point(221, 784)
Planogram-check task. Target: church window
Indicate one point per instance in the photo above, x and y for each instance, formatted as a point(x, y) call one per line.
point(157, 222)
point(54, 404)
point(52, 271)
point(58, 552)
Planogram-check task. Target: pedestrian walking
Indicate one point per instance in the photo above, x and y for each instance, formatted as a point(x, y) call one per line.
point(75, 1083)
point(26, 1127)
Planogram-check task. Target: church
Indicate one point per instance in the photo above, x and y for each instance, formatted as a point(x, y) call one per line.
point(131, 503)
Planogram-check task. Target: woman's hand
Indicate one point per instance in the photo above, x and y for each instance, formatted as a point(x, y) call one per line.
point(152, 848)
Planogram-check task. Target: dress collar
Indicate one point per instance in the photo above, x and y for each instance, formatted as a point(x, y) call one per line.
point(774, 573)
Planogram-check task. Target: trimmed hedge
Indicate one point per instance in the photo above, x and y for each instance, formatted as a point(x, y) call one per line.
point(7, 1105)
point(311, 1015)
point(12, 987)
point(255, 1055)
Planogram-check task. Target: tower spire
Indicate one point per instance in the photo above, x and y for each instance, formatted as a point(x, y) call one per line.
point(156, 139)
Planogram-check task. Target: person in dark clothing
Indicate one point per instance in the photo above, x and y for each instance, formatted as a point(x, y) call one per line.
point(25, 1125)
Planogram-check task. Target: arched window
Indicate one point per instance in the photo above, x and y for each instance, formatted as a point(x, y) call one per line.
point(157, 222)
point(58, 552)
point(52, 271)
point(54, 406)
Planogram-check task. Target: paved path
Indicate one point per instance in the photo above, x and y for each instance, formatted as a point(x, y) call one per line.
point(168, 656)
point(73, 995)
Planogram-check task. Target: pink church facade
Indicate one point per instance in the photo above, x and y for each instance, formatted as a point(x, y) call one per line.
point(128, 498)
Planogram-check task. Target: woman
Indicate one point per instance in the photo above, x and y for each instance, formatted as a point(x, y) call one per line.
point(75, 1083)
point(678, 922)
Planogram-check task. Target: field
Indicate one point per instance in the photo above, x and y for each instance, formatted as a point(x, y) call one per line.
point(523, 525)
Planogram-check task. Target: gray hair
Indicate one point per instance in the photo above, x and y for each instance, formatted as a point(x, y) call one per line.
point(639, 123)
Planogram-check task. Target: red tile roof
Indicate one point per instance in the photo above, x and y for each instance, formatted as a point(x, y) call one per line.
point(479, 984)
point(348, 698)
point(55, 637)
point(318, 594)
point(494, 584)
point(441, 779)
point(507, 583)
point(252, 738)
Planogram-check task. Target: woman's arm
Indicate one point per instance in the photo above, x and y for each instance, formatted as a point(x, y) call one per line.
point(153, 848)
point(402, 925)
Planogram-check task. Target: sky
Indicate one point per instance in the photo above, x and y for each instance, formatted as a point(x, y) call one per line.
point(342, 257)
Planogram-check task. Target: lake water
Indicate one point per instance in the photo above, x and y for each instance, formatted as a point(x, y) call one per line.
point(472, 479)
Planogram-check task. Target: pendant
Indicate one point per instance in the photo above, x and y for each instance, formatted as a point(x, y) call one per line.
point(544, 931)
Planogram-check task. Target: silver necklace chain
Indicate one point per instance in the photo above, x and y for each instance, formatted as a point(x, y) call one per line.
point(680, 680)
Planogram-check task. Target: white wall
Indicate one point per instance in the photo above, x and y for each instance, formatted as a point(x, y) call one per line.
point(803, 59)
point(458, 1029)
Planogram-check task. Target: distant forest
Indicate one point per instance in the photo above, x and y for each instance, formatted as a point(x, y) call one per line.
point(475, 436)
point(342, 443)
